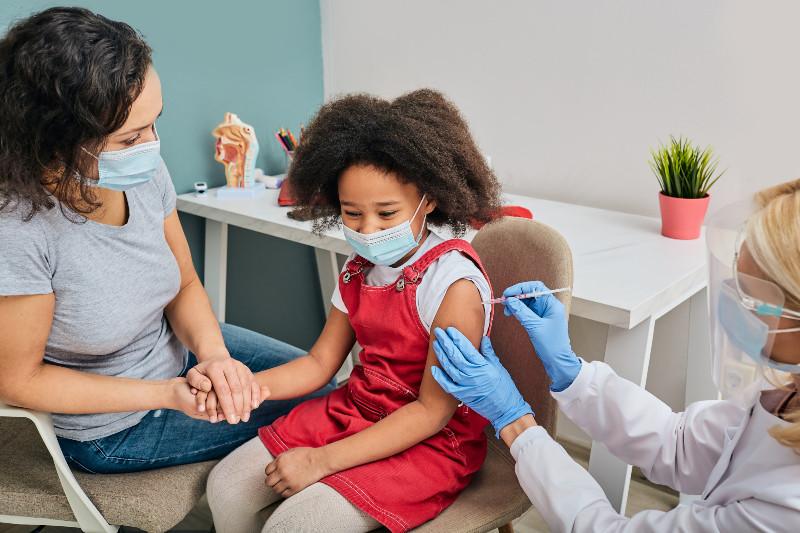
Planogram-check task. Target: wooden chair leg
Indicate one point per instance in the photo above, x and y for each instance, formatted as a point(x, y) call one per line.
point(508, 528)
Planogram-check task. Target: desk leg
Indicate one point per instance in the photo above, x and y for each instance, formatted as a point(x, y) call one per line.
point(216, 266)
point(699, 381)
point(628, 353)
point(328, 272)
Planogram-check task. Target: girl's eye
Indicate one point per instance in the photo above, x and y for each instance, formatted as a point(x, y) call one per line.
point(352, 213)
point(387, 214)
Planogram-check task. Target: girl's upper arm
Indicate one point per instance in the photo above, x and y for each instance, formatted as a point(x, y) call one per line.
point(461, 308)
point(24, 328)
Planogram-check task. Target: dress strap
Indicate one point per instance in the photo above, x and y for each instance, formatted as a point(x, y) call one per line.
point(354, 267)
point(414, 272)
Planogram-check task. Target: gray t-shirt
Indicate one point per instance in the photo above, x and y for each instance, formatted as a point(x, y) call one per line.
point(111, 286)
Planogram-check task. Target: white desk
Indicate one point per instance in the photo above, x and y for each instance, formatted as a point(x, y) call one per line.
point(626, 276)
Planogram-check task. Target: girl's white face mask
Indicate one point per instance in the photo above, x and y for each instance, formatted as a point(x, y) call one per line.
point(388, 246)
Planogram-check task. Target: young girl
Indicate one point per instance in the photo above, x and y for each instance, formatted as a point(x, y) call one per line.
point(391, 447)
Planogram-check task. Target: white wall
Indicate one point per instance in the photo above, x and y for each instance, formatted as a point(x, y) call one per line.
point(569, 97)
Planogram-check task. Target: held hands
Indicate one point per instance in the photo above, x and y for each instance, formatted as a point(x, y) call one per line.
point(477, 379)
point(544, 320)
point(181, 397)
point(296, 469)
point(225, 389)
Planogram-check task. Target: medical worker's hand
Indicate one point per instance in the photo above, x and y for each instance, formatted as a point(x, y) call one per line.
point(480, 381)
point(296, 469)
point(545, 321)
point(234, 385)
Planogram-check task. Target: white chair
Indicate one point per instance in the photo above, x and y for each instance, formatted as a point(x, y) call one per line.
point(30, 493)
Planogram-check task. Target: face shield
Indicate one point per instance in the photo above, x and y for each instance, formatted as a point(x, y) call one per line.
point(745, 308)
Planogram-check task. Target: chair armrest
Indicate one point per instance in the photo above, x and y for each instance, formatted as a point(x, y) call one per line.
point(86, 514)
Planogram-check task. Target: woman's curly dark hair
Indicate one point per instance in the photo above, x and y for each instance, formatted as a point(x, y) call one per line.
point(68, 78)
point(421, 137)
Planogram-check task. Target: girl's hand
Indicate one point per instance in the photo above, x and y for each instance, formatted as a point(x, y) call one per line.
point(296, 469)
point(234, 385)
point(208, 402)
point(181, 398)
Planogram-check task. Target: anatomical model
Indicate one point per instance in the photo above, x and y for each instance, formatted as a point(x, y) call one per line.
point(236, 148)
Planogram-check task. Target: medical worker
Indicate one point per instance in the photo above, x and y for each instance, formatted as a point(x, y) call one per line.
point(741, 454)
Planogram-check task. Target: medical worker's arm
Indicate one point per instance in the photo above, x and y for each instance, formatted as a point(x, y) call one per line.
point(674, 449)
point(569, 499)
point(414, 422)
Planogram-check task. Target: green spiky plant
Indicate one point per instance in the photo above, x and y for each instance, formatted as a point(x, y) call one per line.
point(684, 170)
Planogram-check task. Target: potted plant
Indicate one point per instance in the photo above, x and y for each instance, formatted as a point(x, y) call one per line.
point(685, 173)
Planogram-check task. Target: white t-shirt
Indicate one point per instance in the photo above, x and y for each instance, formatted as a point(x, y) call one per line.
point(445, 271)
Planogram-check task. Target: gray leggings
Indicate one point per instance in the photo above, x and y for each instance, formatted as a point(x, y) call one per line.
point(241, 502)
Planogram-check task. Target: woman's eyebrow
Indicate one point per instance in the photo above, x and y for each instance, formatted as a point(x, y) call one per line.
point(132, 130)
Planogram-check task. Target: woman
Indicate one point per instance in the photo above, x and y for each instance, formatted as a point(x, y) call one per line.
point(742, 455)
point(101, 311)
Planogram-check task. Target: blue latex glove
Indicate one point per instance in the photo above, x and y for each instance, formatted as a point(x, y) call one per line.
point(544, 319)
point(480, 381)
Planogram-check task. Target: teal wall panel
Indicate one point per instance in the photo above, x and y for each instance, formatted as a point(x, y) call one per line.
point(263, 61)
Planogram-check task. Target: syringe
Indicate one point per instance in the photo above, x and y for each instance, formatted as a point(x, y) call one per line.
point(502, 299)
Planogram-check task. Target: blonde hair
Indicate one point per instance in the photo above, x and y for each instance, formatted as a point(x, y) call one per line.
point(773, 239)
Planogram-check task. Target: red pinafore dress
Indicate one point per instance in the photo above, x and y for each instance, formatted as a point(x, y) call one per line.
point(413, 486)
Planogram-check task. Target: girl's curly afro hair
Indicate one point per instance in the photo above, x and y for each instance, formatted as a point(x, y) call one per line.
point(420, 137)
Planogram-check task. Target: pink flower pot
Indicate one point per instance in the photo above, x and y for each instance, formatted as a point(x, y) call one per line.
point(681, 218)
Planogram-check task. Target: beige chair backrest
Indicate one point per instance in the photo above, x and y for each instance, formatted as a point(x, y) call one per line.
point(514, 250)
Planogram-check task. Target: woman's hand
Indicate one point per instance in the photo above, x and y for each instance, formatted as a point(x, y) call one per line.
point(179, 396)
point(296, 469)
point(236, 392)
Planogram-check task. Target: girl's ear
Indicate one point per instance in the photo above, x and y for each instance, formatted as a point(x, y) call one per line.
point(430, 205)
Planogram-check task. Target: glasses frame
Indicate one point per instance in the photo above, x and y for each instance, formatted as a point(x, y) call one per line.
point(756, 305)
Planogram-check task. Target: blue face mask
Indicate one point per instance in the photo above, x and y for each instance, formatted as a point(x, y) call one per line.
point(747, 332)
point(125, 169)
point(388, 246)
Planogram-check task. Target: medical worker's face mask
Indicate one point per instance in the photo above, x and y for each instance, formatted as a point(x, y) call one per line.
point(388, 246)
point(121, 170)
point(746, 309)
point(751, 332)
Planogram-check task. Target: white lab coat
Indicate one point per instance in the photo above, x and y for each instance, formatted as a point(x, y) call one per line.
point(748, 481)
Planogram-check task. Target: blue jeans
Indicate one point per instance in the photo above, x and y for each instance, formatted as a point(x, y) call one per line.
point(167, 438)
